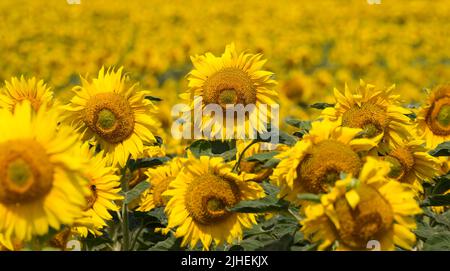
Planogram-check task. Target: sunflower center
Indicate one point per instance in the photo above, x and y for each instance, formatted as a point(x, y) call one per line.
point(92, 198)
point(215, 205)
point(106, 119)
point(294, 89)
point(26, 173)
point(402, 162)
point(324, 163)
point(208, 198)
point(228, 96)
point(369, 117)
point(160, 188)
point(229, 86)
point(371, 217)
point(444, 115)
point(438, 117)
point(110, 116)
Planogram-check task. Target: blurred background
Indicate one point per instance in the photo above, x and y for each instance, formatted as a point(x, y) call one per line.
point(312, 46)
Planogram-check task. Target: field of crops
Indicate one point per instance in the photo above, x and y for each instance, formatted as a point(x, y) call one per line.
point(343, 144)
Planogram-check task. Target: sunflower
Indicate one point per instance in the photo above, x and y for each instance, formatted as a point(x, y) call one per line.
point(433, 119)
point(113, 115)
point(357, 211)
point(104, 186)
point(18, 90)
point(297, 88)
point(41, 181)
point(377, 112)
point(199, 200)
point(159, 179)
point(313, 164)
point(411, 163)
point(232, 79)
point(5, 244)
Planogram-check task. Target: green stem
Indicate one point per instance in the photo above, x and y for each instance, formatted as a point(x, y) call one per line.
point(125, 220)
point(237, 165)
point(136, 237)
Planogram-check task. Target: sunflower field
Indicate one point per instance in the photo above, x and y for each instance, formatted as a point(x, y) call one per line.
point(91, 156)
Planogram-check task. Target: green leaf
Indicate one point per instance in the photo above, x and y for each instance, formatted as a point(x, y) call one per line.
point(442, 149)
point(309, 197)
point(267, 204)
point(425, 231)
point(170, 243)
point(271, 163)
point(282, 244)
point(437, 200)
point(136, 191)
point(262, 157)
point(247, 245)
point(202, 147)
point(285, 225)
point(438, 242)
point(321, 105)
point(412, 116)
point(151, 98)
point(303, 124)
point(229, 155)
point(442, 184)
point(146, 162)
point(159, 214)
point(287, 139)
point(443, 218)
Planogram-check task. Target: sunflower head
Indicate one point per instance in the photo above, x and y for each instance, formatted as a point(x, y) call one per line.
point(110, 112)
point(42, 183)
point(434, 117)
point(110, 116)
point(200, 198)
point(27, 173)
point(231, 79)
point(18, 90)
point(208, 198)
point(376, 112)
point(298, 87)
point(104, 190)
point(159, 179)
point(315, 163)
point(370, 207)
point(317, 171)
point(371, 216)
point(411, 163)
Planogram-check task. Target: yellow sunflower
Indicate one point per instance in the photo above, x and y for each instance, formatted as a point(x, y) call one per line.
point(5, 244)
point(313, 164)
point(18, 90)
point(377, 112)
point(41, 182)
point(232, 79)
point(412, 164)
point(298, 88)
point(159, 179)
point(118, 117)
point(356, 211)
point(104, 186)
point(433, 119)
point(199, 200)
